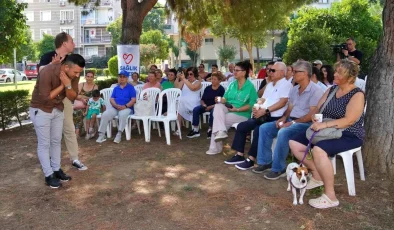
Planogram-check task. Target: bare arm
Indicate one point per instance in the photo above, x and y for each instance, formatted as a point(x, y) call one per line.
point(354, 59)
point(193, 87)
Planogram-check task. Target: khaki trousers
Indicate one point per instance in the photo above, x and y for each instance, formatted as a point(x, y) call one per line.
point(70, 138)
point(222, 121)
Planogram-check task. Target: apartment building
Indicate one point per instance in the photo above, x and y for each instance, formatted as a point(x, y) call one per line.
point(86, 24)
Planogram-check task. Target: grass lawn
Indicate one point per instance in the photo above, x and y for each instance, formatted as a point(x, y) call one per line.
point(29, 85)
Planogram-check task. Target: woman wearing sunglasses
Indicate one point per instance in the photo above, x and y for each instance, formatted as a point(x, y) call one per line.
point(190, 97)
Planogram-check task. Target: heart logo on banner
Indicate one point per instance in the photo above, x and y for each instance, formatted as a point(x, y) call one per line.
point(128, 58)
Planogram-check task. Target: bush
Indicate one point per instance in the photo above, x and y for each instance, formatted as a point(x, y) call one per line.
point(106, 72)
point(113, 66)
point(106, 83)
point(100, 72)
point(98, 62)
point(13, 104)
point(143, 77)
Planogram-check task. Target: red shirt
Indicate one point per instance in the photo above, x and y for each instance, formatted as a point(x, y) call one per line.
point(262, 74)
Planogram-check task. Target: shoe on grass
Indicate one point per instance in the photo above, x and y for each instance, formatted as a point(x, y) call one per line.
point(101, 138)
point(247, 164)
point(193, 134)
point(313, 183)
point(323, 202)
point(52, 181)
point(118, 138)
point(220, 136)
point(77, 164)
point(61, 175)
point(271, 175)
point(261, 168)
point(236, 159)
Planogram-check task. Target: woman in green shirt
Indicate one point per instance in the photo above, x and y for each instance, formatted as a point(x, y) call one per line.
point(234, 107)
point(170, 80)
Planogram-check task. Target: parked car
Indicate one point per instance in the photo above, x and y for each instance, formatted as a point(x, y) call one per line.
point(31, 71)
point(7, 75)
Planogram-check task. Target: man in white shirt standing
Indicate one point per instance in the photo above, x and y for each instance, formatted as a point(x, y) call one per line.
point(274, 100)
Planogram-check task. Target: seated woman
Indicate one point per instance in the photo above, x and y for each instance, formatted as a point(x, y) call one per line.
point(122, 101)
point(234, 107)
point(159, 76)
point(326, 75)
point(346, 109)
point(171, 75)
point(190, 97)
point(152, 83)
point(315, 78)
point(85, 90)
point(135, 79)
point(207, 103)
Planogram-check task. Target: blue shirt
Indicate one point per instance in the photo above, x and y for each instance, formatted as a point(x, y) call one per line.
point(209, 94)
point(123, 96)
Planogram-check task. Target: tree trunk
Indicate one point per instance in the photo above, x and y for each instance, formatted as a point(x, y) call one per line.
point(133, 16)
point(224, 40)
point(258, 56)
point(379, 124)
point(241, 52)
point(273, 44)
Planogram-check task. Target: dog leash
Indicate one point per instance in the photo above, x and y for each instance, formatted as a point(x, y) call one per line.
point(308, 147)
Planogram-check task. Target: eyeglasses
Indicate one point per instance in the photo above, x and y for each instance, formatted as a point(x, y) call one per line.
point(238, 70)
point(299, 71)
point(274, 70)
point(190, 74)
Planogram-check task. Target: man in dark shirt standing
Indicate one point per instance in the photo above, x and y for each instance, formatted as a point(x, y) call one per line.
point(351, 53)
point(54, 83)
point(65, 45)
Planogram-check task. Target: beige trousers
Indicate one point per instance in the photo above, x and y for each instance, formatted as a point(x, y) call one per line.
point(70, 138)
point(222, 121)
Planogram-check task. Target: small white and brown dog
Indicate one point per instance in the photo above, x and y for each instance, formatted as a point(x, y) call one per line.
point(297, 176)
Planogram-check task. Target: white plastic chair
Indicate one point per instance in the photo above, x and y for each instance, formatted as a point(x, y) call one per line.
point(257, 83)
point(360, 83)
point(151, 96)
point(204, 85)
point(172, 113)
point(347, 158)
point(138, 89)
point(225, 84)
point(106, 97)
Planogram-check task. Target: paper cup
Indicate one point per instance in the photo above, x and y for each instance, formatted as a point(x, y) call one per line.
point(218, 99)
point(319, 117)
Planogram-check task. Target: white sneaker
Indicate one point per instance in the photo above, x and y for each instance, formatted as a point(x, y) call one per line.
point(220, 136)
point(118, 138)
point(87, 137)
point(176, 133)
point(101, 138)
point(210, 152)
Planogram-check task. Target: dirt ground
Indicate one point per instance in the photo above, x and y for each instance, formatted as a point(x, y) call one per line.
point(138, 185)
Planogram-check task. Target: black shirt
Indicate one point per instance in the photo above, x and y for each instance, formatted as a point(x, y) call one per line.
point(46, 59)
point(357, 54)
point(263, 83)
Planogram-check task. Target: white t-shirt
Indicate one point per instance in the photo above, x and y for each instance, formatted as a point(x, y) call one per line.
point(321, 85)
point(231, 78)
point(273, 93)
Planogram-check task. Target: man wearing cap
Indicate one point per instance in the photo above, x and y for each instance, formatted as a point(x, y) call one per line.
point(122, 100)
point(318, 64)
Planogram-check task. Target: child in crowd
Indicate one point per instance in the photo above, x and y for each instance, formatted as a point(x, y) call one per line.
point(93, 108)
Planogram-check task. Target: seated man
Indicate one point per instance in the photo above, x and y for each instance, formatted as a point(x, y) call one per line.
point(275, 103)
point(122, 101)
point(302, 105)
point(207, 104)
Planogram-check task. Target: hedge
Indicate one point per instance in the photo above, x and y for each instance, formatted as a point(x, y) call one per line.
point(106, 72)
point(113, 66)
point(12, 104)
point(106, 83)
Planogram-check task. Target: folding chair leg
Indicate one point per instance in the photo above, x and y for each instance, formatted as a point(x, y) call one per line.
point(146, 129)
point(334, 164)
point(173, 128)
point(360, 165)
point(348, 163)
point(158, 129)
point(109, 129)
point(138, 126)
point(127, 130)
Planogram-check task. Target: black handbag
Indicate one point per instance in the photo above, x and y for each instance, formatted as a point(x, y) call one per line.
point(263, 119)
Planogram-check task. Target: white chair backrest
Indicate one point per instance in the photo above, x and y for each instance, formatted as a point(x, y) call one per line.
point(151, 94)
point(224, 84)
point(138, 89)
point(204, 85)
point(257, 83)
point(173, 95)
point(360, 83)
point(107, 95)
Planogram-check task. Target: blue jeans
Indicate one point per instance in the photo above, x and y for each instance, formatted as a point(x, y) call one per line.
point(197, 111)
point(268, 132)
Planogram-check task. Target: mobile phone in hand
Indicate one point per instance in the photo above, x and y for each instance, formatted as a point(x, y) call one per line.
point(228, 105)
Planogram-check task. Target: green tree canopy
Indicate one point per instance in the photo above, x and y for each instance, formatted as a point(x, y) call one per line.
point(349, 18)
point(156, 38)
point(12, 28)
point(46, 44)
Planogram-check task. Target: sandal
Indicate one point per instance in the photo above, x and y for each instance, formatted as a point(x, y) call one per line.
point(313, 183)
point(323, 202)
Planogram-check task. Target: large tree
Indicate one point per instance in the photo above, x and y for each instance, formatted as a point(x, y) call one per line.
point(12, 28)
point(379, 124)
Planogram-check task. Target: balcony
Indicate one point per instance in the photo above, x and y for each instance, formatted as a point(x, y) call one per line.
point(104, 3)
point(95, 22)
point(97, 40)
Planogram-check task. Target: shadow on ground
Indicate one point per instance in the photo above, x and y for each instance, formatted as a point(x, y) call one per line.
point(138, 185)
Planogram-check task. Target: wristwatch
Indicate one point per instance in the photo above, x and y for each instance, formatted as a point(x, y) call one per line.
point(68, 87)
point(267, 110)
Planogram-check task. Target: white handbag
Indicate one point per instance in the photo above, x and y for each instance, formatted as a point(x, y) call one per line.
point(143, 108)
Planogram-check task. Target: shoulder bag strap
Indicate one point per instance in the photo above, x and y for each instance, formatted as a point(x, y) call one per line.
point(328, 99)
